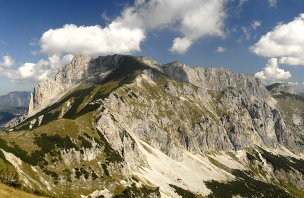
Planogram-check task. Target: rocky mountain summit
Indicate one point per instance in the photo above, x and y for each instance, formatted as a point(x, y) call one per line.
point(124, 126)
point(281, 88)
point(82, 68)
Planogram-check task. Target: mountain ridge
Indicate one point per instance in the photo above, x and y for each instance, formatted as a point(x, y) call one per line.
point(139, 127)
point(215, 79)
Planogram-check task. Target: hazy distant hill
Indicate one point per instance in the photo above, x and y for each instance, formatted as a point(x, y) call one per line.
point(15, 99)
point(12, 105)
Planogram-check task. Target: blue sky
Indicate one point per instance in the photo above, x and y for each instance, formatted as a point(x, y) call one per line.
point(38, 37)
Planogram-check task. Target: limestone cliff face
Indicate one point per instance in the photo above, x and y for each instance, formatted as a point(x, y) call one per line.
point(216, 79)
point(44, 93)
point(245, 106)
point(80, 69)
point(290, 104)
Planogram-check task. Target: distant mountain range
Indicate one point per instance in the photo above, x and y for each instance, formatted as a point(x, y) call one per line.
point(15, 99)
point(12, 105)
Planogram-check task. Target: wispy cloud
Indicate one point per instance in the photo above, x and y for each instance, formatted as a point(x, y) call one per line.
point(255, 24)
point(272, 3)
point(220, 49)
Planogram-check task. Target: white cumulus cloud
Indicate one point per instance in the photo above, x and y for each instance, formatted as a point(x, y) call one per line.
point(272, 72)
point(193, 19)
point(34, 71)
point(42, 69)
point(27, 70)
point(284, 45)
point(180, 45)
point(92, 40)
point(285, 41)
point(5, 65)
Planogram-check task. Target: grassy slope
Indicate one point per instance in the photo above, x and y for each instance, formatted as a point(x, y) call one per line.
point(8, 192)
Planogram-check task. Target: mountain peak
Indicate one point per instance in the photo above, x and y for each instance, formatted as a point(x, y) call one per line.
point(148, 61)
point(85, 69)
point(280, 88)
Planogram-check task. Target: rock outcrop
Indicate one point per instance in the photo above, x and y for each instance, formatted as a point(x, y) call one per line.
point(241, 98)
point(81, 68)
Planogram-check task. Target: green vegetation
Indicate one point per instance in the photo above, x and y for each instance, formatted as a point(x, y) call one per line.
point(80, 104)
point(184, 193)
point(253, 156)
point(68, 124)
point(245, 186)
point(291, 189)
point(82, 172)
point(283, 163)
point(15, 149)
point(9, 192)
point(250, 157)
point(255, 163)
point(105, 169)
point(50, 145)
point(134, 192)
point(85, 143)
point(217, 95)
point(218, 164)
point(8, 174)
point(47, 145)
point(112, 156)
point(43, 146)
